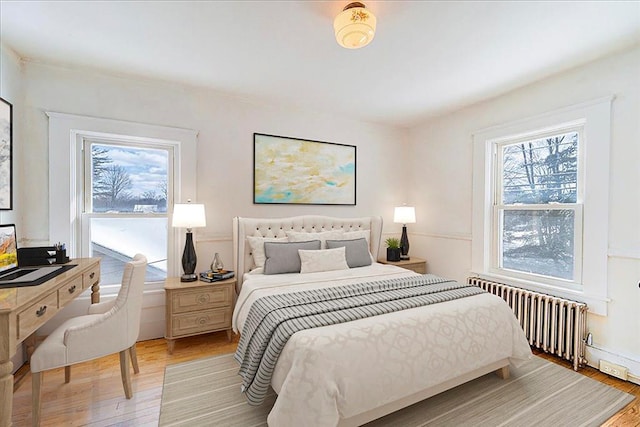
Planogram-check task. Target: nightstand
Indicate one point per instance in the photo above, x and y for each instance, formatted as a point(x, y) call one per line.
point(416, 264)
point(194, 308)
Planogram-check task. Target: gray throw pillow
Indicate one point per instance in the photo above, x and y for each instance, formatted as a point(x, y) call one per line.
point(357, 251)
point(283, 257)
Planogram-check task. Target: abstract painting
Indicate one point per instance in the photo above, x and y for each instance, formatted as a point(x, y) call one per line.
point(299, 171)
point(6, 187)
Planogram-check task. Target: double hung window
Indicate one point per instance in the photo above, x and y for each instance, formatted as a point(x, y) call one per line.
point(541, 203)
point(126, 190)
point(537, 207)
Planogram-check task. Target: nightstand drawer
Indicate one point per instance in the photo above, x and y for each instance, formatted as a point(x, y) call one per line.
point(37, 314)
point(201, 299)
point(70, 290)
point(203, 321)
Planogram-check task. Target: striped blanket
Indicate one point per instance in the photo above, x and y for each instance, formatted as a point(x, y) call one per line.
point(275, 318)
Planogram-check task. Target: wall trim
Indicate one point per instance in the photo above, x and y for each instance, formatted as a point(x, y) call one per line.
point(212, 237)
point(629, 253)
point(451, 236)
point(595, 354)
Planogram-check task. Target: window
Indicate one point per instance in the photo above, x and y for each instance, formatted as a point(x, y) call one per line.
point(126, 191)
point(537, 209)
point(119, 183)
point(540, 220)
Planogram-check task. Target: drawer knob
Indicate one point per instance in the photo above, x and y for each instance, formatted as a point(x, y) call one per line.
point(41, 311)
point(203, 298)
point(202, 320)
point(93, 273)
point(72, 289)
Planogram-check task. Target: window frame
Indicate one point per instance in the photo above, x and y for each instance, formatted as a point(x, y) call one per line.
point(66, 177)
point(595, 118)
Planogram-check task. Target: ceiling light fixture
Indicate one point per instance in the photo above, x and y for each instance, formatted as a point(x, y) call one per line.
point(355, 26)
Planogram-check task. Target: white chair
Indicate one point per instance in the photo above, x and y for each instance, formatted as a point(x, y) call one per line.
point(108, 328)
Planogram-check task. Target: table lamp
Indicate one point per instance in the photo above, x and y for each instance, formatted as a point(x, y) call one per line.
point(404, 215)
point(189, 215)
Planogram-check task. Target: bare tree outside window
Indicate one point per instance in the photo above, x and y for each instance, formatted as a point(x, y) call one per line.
point(539, 179)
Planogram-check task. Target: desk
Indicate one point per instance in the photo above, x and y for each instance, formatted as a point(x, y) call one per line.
point(23, 310)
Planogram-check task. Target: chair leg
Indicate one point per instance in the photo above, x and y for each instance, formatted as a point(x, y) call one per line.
point(124, 371)
point(67, 374)
point(36, 397)
point(134, 358)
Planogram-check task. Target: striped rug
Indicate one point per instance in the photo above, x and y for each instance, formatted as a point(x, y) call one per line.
point(206, 392)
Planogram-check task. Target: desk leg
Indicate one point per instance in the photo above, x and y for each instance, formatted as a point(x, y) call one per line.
point(29, 346)
point(6, 392)
point(95, 293)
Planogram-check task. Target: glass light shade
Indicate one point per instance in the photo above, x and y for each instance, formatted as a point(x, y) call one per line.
point(189, 215)
point(404, 215)
point(355, 26)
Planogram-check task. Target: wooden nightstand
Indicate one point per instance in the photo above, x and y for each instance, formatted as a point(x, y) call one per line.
point(416, 264)
point(195, 308)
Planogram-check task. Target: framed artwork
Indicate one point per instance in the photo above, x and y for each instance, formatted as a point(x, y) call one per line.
point(300, 171)
point(6, 159)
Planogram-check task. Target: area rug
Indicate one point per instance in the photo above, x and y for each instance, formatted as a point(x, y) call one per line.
point(206, 392)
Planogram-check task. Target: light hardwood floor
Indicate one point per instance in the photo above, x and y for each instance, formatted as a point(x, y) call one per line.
point(95, 397)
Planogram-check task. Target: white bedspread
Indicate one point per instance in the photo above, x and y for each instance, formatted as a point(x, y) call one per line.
point(339, 371)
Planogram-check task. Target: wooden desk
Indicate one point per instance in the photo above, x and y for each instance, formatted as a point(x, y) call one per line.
point(23, 310)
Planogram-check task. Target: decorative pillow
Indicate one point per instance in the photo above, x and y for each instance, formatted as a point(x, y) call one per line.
point(357, 251)
point(349, 235)
point(299, 236)
point(283, 257)
point(323, 260)
point(257, 248)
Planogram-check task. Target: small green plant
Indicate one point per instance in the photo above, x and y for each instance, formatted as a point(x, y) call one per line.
point(392, 242)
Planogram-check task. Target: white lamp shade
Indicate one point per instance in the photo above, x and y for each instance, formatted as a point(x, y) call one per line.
point(188, 215)
point(354, 27)
point(404, 215)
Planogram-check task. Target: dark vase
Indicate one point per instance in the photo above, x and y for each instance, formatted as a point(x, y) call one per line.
point(393, 254)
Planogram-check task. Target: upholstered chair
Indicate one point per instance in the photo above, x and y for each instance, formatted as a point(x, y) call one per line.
point(109, 327)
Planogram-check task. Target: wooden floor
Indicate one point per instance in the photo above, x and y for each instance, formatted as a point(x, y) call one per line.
point(95, 397)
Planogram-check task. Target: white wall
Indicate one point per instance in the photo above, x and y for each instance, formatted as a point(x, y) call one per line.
point(440, 159)
point(224, 164)
point(225, 146)
point(11, 91)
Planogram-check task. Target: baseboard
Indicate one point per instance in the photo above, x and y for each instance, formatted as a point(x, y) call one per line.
point(595, 354)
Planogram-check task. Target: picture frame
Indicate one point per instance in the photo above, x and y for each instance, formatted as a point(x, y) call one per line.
point(6, 155)
point(289, 170)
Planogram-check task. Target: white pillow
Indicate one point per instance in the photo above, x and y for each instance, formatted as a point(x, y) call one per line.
point(323, 260)
point(257, 248)
point(323, 236)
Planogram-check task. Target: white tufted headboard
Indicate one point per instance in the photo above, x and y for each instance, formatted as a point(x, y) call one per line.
point(277, 227)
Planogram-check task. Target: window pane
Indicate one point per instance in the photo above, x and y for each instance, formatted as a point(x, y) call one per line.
point(538, 242)
point(541, 170)
point(117, 240)
point(128, 179)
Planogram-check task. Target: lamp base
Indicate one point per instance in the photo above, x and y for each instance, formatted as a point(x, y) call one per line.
point(404, 257)
point(188, 277)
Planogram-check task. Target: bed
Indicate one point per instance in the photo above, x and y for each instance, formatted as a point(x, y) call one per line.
point(350, 373)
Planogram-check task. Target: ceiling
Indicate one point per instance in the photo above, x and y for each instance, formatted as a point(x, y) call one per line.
point(427, 58)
